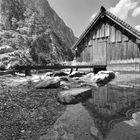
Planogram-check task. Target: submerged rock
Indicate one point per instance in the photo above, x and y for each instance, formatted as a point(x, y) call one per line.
point(74, 96)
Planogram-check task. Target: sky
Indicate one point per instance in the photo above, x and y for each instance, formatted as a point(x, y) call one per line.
point(77, 14)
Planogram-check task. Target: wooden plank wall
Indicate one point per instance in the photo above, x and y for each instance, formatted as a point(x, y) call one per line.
point(123, 53)
point(109, 44)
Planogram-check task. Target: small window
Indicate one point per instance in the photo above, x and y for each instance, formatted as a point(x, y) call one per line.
point(102, 31)
point(118, 36)
point(90, 43)
point(94, 34)
point(107, 30)
point(98, 33)
point(113, 35)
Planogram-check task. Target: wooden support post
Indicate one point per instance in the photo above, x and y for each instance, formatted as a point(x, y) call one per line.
point(71, 70)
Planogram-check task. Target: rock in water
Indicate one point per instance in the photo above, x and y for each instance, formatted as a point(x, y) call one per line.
point(104, 77)
point(50, 83)
point(60, 73)
point(76, 74)
point(74, 96)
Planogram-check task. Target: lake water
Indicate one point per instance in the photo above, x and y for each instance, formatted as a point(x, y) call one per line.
point(112, 104)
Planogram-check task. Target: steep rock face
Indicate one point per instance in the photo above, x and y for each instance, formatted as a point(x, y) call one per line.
point(55, 21)
point(32, 33)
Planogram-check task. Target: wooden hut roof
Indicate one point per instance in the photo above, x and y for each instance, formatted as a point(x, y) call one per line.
point(112, 17)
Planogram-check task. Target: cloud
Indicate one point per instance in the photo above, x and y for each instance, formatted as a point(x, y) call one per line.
point(137, 27)
point(123, 7)
point(136, 12)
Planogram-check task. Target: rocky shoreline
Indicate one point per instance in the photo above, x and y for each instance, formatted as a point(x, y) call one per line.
point(30, 103)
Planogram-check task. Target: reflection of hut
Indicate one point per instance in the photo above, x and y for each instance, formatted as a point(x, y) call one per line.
point(109, 41)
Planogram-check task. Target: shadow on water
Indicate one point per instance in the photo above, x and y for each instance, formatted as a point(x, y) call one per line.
point(112, 104)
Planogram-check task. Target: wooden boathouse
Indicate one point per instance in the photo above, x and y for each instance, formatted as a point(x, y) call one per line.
point(109, 41)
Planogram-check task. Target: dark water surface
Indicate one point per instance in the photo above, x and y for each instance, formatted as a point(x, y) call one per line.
point(112, 104)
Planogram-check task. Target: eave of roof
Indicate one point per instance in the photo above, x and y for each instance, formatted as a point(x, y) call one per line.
point(123, 24)
point(114, 18)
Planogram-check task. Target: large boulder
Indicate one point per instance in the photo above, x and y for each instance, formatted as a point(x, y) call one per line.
point(104, 77)
point(49, 83)
point(100, 79)
point(74, 95)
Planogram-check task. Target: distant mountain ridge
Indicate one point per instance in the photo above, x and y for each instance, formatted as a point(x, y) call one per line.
point(33, 33)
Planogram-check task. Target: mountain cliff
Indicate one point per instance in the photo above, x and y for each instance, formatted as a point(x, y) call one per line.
point(32, 33)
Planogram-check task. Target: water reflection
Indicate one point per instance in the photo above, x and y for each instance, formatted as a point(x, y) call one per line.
point(111, 104)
